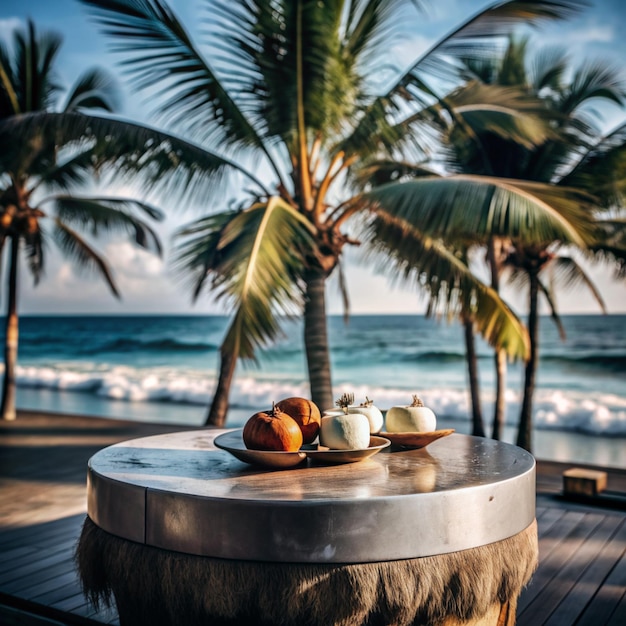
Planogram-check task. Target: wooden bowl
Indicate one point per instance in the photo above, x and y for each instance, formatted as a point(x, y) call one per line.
point(416, 440)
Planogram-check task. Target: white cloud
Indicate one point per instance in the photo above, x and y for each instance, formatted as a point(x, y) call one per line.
point(131, 262)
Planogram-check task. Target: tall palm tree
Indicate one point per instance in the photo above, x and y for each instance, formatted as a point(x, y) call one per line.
point(38, 176)
point(284, 87)
point(484, 150)
point(559, 172)
point(443, 271)
point(565, 162)
point(467, 117)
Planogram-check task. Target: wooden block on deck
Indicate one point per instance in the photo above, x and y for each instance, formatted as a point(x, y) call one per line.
point(583, 482)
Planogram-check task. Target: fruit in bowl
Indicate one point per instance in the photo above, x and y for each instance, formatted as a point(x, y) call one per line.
point(412, 418)
point(345, 430)
point(372, 412)
point(305, 413)
point(272, 430)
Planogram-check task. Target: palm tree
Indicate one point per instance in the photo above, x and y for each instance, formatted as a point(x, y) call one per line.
point(565, 162)
point(454, 291)
point(35, 163)
point(467, 123)
point(286, 89)
point(559, 172)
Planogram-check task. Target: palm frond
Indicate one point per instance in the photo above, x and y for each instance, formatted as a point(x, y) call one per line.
point(381, 171)
point(453, 289)
point(343, 290)
point(603, 169)
point(198, 256)
point(504, 112)
point(611, 245)
point(549, 296)
point(35, 257)
point(142, 153)
point(110, 215)
point(474, 39)
point(76, 248)
point(481, 206)
point(375, 130)
point(36, 83)
point(255, 258)
point(369, 27)
point(591, 81)
point(547, 69)
point(512, 70)
point(9, 101)
point(74, 171)
point(95, 89)
point(570, 274)
point(159, 53)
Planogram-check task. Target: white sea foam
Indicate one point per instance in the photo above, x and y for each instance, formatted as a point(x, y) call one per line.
point(594, 413)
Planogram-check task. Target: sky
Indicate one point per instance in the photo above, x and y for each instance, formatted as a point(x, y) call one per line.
point(148, 284)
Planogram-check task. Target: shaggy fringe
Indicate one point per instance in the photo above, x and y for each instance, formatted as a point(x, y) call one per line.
point(164, 588)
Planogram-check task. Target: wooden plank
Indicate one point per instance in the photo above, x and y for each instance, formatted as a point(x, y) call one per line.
point(70, 602)
point(619, 615)
point(57, 582)
point(9, 557)
point(550, 597)
point(62, 565)
point(592, 578)
point(32, 550)
point(550, 517)
point(50, 598)
point(608, 599)
point(555, 549)
point(11, 581)
point(35, 534)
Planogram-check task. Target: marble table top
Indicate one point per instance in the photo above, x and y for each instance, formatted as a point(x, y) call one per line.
point(178, 491)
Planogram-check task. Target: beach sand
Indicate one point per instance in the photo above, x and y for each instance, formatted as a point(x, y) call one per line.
point(43, 462)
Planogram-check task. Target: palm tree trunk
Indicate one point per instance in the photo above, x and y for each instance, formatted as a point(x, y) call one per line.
point(219, 405)
point(499, 407)
point(478, 428)
point(494, 255)
point(7, 406)
point(524, 433)
point(316, 340)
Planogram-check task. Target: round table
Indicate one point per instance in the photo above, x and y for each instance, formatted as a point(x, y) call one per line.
point(179, 531)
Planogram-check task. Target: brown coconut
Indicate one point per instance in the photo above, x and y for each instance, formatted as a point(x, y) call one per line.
point(305, 413)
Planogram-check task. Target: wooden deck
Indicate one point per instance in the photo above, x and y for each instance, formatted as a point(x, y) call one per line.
point(581, 578)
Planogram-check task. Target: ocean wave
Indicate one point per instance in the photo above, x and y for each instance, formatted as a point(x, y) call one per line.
point(157, 345)
point(616, 362)
point(596, 413)
point(434, 356)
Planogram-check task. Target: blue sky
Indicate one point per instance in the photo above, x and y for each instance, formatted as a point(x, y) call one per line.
point(147, 283)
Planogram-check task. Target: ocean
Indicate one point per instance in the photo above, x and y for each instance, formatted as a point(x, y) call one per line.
point(164, 369)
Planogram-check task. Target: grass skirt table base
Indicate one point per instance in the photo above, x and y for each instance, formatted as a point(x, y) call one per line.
point(157, 587)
